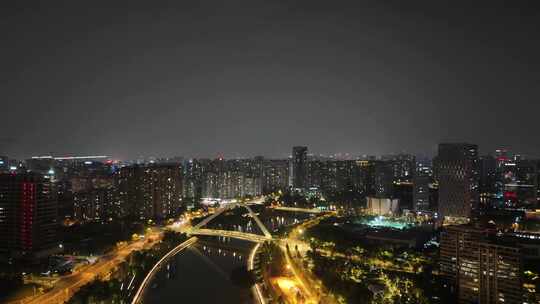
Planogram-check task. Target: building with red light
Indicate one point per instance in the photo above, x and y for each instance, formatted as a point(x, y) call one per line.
point(28, 212)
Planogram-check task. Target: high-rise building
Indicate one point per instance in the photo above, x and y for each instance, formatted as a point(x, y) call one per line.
point(299, 167)
point(383, 177)
point(421, 181)
point(500, 273)
point(457, 169)
point(478, 268)
point(520, 184)
point(487, 174)
point(28, 211)
point(41, 164)
point(403, 166)
point(275, 175)
point(317, 170)
point(149, 192)
point(364, 180)
point(193, 178)
point(232, 178)
point(96, 204)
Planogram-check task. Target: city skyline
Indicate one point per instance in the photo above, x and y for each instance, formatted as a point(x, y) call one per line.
point(259, 77)
point(270, 152)
point(425, 155)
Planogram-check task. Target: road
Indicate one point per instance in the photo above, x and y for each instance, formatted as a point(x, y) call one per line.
point(67, 285)
point(310, 286)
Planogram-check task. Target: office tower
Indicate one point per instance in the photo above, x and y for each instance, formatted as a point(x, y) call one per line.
point(480, 269)
point(28, 210)
point(457, 169)
point(434, 197)
point(487, 177)
point(519, 180)
point(383, 176)
point(421, 181)
point(523, 184)
point(299, 167)
point(404, 193)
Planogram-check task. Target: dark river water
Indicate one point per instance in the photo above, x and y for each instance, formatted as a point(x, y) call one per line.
point(201, 273)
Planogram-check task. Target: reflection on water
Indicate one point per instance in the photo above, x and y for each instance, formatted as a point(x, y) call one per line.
point(201, 274)
point(272, 220)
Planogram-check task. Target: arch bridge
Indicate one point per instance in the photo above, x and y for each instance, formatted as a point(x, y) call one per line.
point(198, 230)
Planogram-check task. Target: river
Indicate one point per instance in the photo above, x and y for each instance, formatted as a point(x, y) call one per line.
point(201, 274)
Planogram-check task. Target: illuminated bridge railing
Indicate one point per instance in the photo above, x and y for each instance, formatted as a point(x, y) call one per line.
point(293, 209)
point(232, 234)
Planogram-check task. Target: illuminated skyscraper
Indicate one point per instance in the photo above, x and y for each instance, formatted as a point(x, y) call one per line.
point(147, 192)
point(457, 169)
point(299, 167)
point(275, 175)
point(421, 180)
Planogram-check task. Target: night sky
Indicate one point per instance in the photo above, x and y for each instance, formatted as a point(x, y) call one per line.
point(208, 78)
